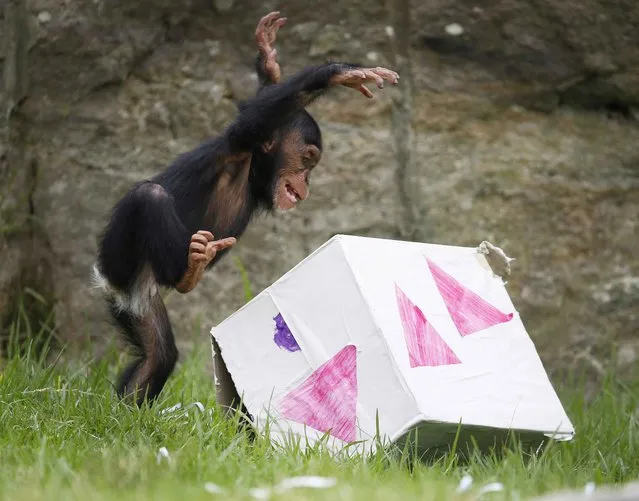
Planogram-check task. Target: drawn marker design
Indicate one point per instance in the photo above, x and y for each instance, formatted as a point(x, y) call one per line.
point(283, 336)
point(426, 348)
point(470, 313)
point(326, 401)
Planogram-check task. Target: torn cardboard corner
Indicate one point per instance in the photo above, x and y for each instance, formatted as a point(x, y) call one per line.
point(497, 259)
point(421, 337)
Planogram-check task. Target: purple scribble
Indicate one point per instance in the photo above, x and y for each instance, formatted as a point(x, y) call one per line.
point(283, 335)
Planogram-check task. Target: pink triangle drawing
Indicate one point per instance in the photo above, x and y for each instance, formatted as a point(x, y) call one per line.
point(326, 400)
point(425, 346)
point(470, 313)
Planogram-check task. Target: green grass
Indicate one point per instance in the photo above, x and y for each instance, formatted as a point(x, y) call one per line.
point(63, 435)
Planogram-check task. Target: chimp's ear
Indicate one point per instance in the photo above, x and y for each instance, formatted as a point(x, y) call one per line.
point(268, 146)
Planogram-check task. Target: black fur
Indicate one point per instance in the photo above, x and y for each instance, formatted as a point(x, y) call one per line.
point(151, 226)
point(150, 368)
point(303, 121)
point(145, 228)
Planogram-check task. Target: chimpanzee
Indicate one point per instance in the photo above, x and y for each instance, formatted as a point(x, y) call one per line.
point(167, 230)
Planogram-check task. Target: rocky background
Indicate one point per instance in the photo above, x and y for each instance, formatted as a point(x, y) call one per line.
point(516, 122)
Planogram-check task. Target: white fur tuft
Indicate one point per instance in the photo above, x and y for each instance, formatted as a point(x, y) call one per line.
point(138, 301)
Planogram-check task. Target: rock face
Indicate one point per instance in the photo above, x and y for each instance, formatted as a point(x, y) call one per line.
point(525, 134)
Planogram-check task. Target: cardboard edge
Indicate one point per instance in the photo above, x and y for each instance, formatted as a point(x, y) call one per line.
point(282, 278)
point(378, 331)
point(226, 394)
point(488, 253)
point(467, 429)
point(495, 259)
point(419, 418)
point(344, 239)
point(561, 436)
point(337, 238)
point(410, 242)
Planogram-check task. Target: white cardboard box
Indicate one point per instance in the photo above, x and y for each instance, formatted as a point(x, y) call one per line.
point(422, 337)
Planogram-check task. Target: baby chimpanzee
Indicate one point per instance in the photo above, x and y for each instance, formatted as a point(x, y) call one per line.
point(166, 231)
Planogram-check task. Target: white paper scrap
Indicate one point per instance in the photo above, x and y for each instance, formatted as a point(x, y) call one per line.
point(260, 493)
point(171, 409)
point(465, 483)
point(212, 488)
point(310, 482)
point(163, 453)
point(492, 487)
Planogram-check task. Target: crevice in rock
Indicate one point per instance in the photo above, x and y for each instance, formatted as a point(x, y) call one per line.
point(594, 93)
point(586, 92)
point(140, 57)
point(26, 286)
point(173, 127)
point(148, 52)
point(399, 35)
